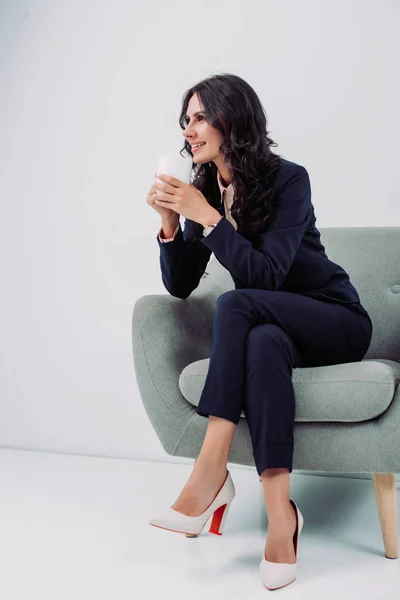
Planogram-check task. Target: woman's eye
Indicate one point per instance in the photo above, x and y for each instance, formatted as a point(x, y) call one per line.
point(198, 116)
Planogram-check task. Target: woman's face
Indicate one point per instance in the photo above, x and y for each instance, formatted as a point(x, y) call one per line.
point(198, 130)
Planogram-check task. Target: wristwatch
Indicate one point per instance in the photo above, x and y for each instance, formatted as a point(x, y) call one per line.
point(208, 229)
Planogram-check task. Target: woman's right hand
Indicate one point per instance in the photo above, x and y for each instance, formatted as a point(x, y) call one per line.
point(166, 213)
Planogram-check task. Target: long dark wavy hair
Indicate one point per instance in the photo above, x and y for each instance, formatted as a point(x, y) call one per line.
point(232, 106)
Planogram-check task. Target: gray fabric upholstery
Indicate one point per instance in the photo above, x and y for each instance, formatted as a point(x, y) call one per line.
point(347, 416)
point(349, 392)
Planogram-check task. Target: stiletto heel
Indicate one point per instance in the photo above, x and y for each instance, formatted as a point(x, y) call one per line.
point(193, 526)
point(219, 518)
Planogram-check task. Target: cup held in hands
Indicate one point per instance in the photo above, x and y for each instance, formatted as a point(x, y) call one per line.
point(176, 166)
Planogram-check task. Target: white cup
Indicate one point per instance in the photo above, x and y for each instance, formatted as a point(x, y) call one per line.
point(176, 166)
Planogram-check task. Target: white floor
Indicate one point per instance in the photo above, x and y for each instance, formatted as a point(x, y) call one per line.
point(76, 527)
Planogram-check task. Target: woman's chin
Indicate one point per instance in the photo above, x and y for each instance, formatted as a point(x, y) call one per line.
point(199, 160)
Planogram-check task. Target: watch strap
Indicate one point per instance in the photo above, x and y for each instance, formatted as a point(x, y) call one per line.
point(208, 229)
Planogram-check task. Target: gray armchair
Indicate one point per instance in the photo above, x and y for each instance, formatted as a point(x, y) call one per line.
point(347, 416)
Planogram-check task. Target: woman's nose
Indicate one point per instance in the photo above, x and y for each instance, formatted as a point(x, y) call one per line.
point(187, 130)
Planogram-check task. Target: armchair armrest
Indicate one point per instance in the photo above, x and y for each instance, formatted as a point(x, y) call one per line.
point(169, 333)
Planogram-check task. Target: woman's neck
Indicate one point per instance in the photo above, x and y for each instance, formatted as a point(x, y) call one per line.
point(225, 182)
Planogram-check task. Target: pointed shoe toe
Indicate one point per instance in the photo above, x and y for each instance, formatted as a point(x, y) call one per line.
point(278, 575)
point(193, 526)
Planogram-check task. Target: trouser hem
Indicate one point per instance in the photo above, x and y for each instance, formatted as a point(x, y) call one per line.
point(219, 405)
point(274, 455)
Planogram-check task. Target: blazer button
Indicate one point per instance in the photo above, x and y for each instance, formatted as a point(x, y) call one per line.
point(396, 289)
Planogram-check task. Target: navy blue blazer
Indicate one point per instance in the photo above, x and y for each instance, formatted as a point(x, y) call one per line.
point(287, 255)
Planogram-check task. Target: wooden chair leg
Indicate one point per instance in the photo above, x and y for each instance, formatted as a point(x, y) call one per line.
point(385, 494)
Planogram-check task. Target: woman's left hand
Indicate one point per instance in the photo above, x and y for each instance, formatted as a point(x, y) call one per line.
point(183, 198)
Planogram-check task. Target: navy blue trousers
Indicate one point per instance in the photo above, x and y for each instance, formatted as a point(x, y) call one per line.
point(258, 337)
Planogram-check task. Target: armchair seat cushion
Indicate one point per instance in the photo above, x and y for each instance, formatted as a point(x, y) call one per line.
point(348, 392)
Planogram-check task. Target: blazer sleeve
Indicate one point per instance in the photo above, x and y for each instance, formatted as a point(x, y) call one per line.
point(267, 267)
point(184, 260)
point(167, 240)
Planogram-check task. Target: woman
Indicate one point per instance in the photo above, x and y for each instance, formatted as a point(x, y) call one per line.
point(291, 307)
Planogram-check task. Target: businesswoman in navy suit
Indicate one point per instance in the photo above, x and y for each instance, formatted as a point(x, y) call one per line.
point(291, 306)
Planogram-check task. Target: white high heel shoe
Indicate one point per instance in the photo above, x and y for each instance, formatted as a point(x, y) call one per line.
point(193, 526)
point(278, 575)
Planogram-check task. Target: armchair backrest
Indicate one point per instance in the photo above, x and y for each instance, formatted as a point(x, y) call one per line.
point(371, 257)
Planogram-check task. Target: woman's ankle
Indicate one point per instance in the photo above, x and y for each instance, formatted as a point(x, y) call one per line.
point(281, 513)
